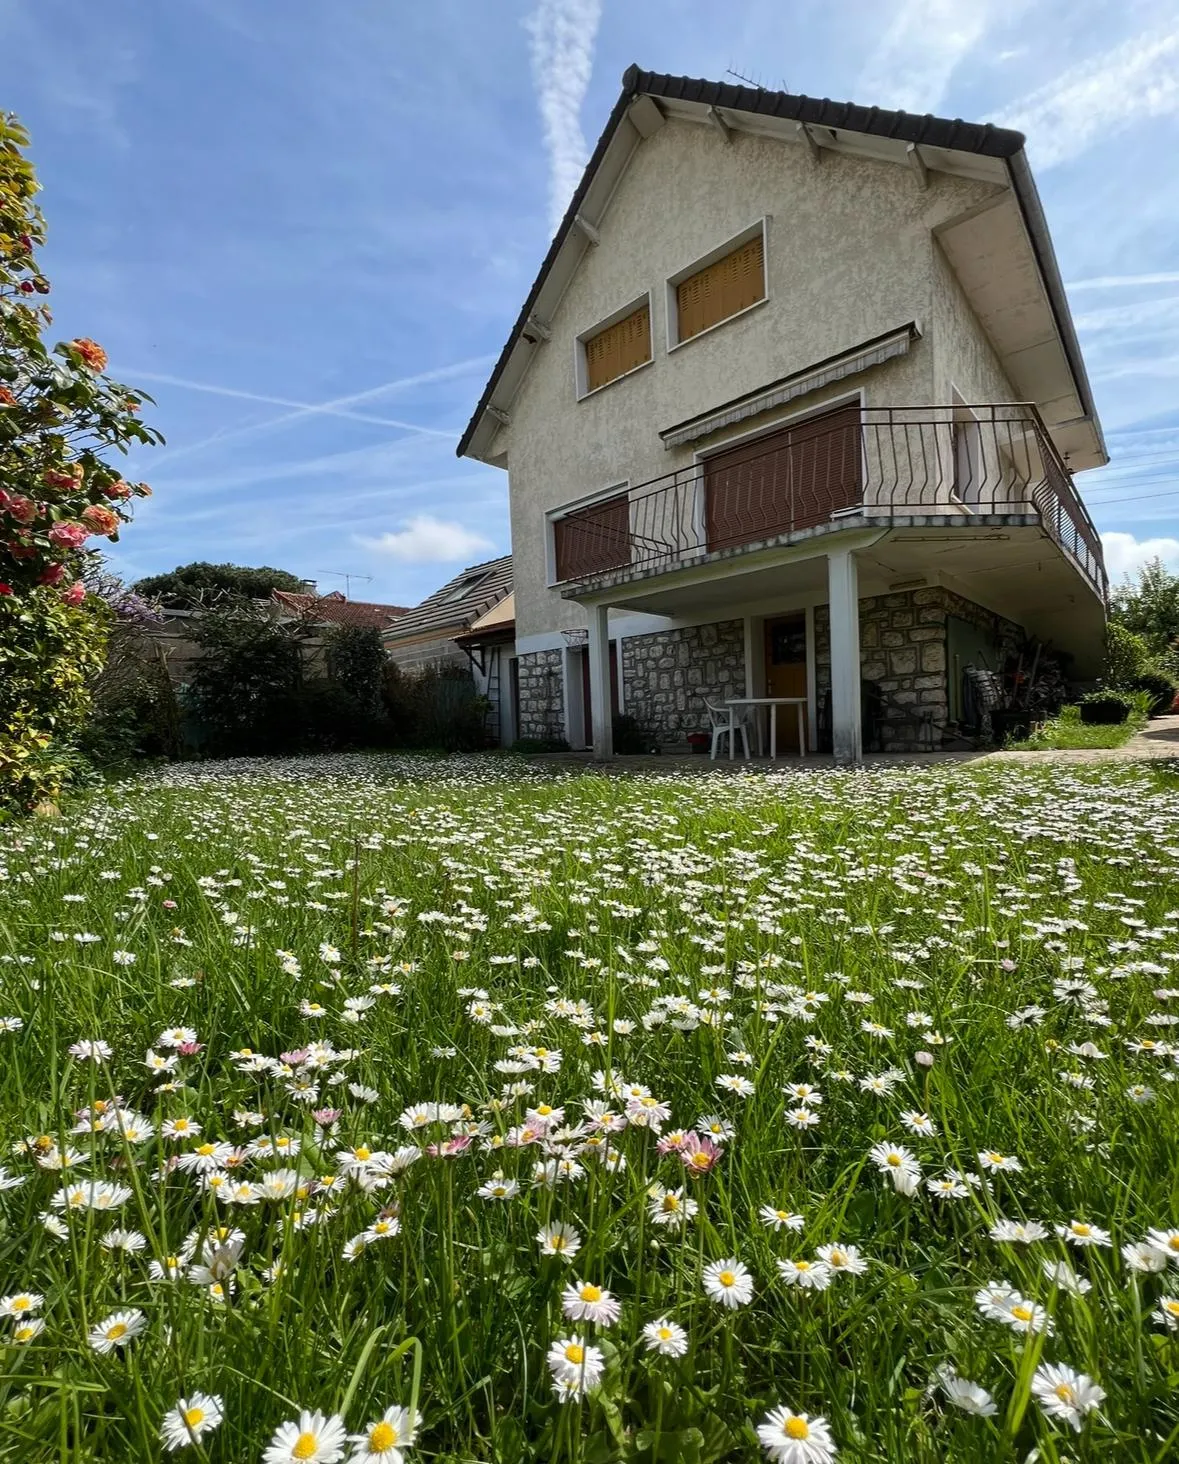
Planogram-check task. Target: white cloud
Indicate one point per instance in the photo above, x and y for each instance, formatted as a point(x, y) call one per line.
point(912, 66)
point(563, 33)
point(1124, 554)
point(1103, 96)
point(424, 539)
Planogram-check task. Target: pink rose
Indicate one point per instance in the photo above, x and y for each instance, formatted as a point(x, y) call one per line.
point(52, 574)
point(75, 594)
point(68, 536)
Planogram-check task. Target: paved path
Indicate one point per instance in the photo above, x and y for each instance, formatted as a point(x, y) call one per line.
point(1158, 739)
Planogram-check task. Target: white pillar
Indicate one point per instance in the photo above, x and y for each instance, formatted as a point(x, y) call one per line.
point(843, 588)
point(601, 711)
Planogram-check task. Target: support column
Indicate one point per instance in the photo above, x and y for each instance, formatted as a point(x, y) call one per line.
point(601, 711)
point(843, 585)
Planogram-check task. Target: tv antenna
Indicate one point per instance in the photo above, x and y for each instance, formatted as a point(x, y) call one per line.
point(347, 578)
point(750, 81)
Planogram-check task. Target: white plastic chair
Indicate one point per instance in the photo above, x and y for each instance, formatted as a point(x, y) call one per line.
point(727, 722)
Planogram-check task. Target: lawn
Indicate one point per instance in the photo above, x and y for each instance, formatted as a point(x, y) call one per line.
point(392, 1109)
point(1068, 733)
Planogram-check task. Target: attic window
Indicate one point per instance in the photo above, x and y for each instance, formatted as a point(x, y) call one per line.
point(467, 586)
point(615, 348)
point(724, 284)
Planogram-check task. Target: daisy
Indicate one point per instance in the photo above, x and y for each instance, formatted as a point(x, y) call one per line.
point(559, 1240)
point(670, 1206)
point(585, 1302)
point(666, 1338)
point(993, 1162)
point(385, 1439)
point(775, 1219)
point(1022, 1232)
point(1077, 1233)
point(735, 1083)
point(1061, 1274)
point(576, 1360)
point(843, 1258)
point(117, 1331)
point(801, 1118)
point(968, 1396)
point(87, 1051)
point(314, 1439)
point(25, 1332)
point(498, 1188)
point(807, 1275)
point(920, 1124)
point(796, 1438)
point(1166, 1242)
point(21, 1304)
point(729, 1283)
point(1140, 1255)
point(1167, 1313)
point(190, 1420)
point(947, 1187)
point(895, 1161)
point(1063, 1393)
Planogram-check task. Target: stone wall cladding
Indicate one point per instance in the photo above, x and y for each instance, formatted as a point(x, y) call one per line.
point(542, 696)
point(667, 676)
point(903, 649)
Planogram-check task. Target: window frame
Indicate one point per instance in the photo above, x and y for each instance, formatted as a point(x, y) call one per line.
point(672, 283)
point(582, 389)
point(553, 515)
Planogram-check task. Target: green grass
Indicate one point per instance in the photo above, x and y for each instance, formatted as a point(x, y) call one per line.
point(664, 931)
point(1068, 733)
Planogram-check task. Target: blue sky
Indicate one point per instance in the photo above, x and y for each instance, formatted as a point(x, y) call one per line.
point(307, 228)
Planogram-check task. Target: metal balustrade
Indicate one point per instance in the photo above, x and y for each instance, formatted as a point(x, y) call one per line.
point(873, 462)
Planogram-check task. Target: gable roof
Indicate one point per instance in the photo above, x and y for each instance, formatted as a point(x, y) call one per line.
point(979, 150)
point(459, 603)
point(337, 609)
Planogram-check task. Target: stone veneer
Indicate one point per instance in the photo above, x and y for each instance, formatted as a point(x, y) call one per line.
point(542, 695)
point(903, 648)
point(667, 676)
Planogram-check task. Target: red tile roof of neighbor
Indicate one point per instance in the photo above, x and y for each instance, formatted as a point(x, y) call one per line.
point(337, 609)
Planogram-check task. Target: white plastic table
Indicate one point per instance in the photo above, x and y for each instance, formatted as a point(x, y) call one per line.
point(773, 702)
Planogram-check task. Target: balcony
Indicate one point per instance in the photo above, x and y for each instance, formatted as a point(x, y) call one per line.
point(972, 466)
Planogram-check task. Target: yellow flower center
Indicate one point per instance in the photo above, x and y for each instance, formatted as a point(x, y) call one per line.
point(591, 1293)
point(1022, 1313)
point(670, 1203)
point(802, 1265)
point(727, 1278)
point(383, 1437)
point(995, 1158)
point(797, 1428)
point(1064, 1392)
point(194, 1416)
point(1079, 1229)
point(306, 1446)
point(1173, 1242)
point(20, 1303)
point(574, 1353)
point(362, 1153)
point(118, 1330)
point(838, 1258)
point(894, 1160)
point(25, 1333)
point(1171, 1307)
point(542, 1052)
point(557, 1242)
point(700, 1160)
point(544, 1109)
point(664, 1334)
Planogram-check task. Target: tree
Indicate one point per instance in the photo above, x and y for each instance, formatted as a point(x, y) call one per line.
point(355, 657)
point(243, 688)
point(1149, 605)
point(204, 584)
point(59, 416)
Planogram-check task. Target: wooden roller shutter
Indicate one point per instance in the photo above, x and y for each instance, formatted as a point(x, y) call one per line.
point(618, 349)
point(592, 540)
point(722, 289)
point(785, 481)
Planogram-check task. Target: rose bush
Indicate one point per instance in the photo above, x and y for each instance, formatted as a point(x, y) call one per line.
point(60, 417)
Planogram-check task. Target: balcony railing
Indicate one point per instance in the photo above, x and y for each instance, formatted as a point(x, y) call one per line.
point(878, 462)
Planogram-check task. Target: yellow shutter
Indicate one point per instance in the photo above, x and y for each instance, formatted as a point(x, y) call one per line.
point(618, 349)
point(721, 289)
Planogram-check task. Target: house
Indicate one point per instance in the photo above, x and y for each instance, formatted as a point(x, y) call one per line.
point(334, 609)
point(425, 635)
point(793, 408)
point(490, 647)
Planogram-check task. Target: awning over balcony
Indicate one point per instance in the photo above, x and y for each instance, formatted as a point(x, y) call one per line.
point(824, 373)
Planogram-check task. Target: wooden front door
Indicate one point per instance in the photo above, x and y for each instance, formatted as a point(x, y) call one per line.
point(586, 704)
point(786, 673)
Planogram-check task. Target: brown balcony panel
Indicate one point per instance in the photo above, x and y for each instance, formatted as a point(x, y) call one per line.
point(593, 540)
point(788, 481)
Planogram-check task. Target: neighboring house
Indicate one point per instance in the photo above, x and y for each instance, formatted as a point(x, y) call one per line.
point(490, 646)
point(425, 635)
point(335, 609)
point(792, 407)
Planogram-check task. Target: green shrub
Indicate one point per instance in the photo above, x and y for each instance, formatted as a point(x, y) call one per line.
point(355, 659)
point(436, 708)
point(1159, 687)
point(1127, 656)
point(1106, 708)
